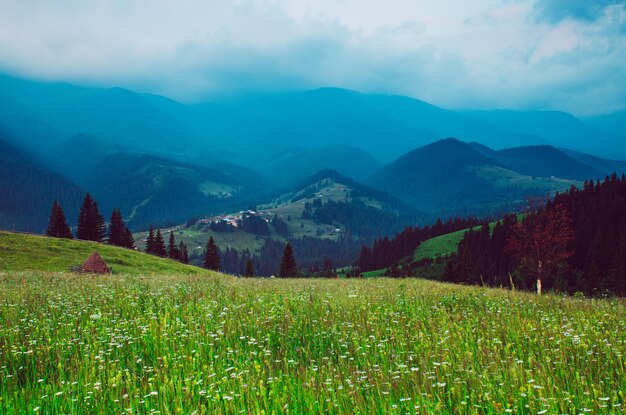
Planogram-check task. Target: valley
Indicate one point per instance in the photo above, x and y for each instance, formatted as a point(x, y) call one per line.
point(331, 167)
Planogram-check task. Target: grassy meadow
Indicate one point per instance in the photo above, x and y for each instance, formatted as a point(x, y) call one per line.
point(25, 252)
point(81, 344)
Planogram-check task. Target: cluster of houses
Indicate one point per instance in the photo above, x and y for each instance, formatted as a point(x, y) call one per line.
point(235, 219)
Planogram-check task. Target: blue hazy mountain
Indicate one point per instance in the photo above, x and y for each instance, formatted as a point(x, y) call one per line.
point(451, 177)
point(554, 128)
point(263, 143)
point(28, 188)
point(159, 191)
point(614, 123)
point(320, 118)
point(606, 166)
point(294, 164)
point(542, 161)
point(249, 131)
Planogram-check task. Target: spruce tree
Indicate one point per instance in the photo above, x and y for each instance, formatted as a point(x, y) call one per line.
point(150, 241)
point(211, 256)
point(128, 241)
point(184, 255)
point(117, 229)
point(57, 227)
point(288, 266)
point(91, 224)
point(249, 272)
point(159, 245)
point(172, 250)
point(100, 224)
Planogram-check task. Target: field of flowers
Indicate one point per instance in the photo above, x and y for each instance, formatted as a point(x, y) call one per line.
point(208, 345)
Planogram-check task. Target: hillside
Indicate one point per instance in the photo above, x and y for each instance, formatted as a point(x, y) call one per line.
point(425, 339)
point(28, 188)
point(23, 252)
point(324, 216)
point(587, 226)
point(605, 166)
point(555, 128)
point(292, 165)
point(454, 178)
point(155, 190)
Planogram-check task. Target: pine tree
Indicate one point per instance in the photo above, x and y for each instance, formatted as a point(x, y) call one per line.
point(212, 256)
point(159, 245)
point(117, 229)
point(57, 227)
point(288, 266)
point(172, 250)
point(184, 255)
point(100, 224)
point(128, 241)
point(249, 269)
point(91, 224)
point(150, 241)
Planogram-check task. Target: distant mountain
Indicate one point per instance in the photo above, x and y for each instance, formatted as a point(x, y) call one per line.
point(319, 118)
point(27, 190)
point(139, 122)
point(296, 163)
point(542, 161)
point(155, 190)
point(614, 123)
point(446, 123)
point(554, 128)
point(251, 130)
point(605, 166)
point(329, 199)
point(450, 177)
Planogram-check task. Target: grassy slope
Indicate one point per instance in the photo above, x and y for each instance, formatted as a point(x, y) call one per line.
point(108, 345)
point(434, 247)
point(21, 252)
point(439, 246)
point(196, 236)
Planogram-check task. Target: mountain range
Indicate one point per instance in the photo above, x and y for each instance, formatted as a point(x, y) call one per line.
point(163, 161)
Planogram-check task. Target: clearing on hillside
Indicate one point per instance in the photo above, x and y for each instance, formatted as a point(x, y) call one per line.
point(23, 252)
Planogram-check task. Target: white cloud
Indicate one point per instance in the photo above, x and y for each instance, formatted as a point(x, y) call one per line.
point(487, 53)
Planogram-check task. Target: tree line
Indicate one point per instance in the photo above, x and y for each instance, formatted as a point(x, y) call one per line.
point(386, 251)
point(576, 242)
point(92, 227)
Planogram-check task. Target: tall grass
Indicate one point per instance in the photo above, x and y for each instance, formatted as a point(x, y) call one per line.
point(209, 345)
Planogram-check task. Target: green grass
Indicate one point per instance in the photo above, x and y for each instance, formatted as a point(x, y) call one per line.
point(501, 177)
point(71, 344)
point(22, 252)
point(439, 246)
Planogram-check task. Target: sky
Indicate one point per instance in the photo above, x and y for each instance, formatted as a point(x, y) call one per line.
point(565, 55)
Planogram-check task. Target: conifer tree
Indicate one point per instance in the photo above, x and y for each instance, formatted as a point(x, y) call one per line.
point(91, 224)
point(101, 225)
point(128, 241)
point(159, 245)
point(212, 256)
point(57, 227)
point(172, 250)
point(249, 269)
point(150, 241)
point(184, 255)
point(288, 266)
point(117, 229)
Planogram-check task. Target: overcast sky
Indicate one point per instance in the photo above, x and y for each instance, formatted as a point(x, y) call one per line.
point(522, 54)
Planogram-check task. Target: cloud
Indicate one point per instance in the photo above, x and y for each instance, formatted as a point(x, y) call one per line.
point(490, 53)
point(586, 10)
